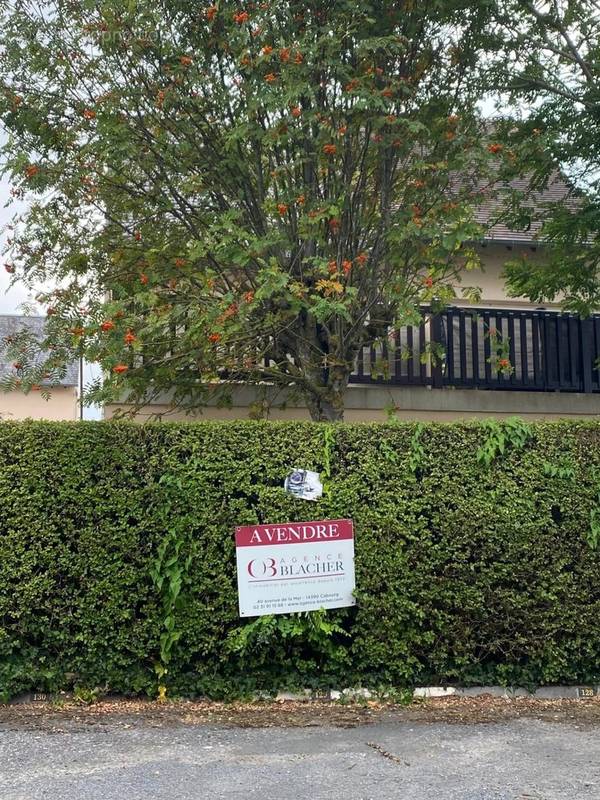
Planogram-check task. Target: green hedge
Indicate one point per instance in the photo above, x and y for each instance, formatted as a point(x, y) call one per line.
point(475, 555)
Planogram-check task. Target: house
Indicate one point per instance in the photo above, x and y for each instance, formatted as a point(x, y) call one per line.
point(552, 357)
point(63, 402)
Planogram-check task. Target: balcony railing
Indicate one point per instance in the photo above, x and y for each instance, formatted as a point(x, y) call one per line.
point(489, 349)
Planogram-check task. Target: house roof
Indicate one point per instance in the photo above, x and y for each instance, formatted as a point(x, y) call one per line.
point(558, 190)
point(11, 324)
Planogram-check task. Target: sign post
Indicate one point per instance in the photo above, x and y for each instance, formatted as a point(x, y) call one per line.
point(295, 566)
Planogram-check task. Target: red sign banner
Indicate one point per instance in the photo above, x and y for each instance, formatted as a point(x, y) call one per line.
point(327, 530)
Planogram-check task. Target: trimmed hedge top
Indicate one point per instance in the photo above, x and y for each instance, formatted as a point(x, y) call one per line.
point(476, 557)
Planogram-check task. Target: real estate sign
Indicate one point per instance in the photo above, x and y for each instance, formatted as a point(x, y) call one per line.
point(295, 566)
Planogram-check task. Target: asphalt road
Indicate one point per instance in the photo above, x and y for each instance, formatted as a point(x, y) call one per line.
point(526, 759)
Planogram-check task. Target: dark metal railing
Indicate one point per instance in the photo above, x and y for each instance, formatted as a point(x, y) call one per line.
point(488, 349)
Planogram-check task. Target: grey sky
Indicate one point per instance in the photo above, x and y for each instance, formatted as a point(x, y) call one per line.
point(9, 299)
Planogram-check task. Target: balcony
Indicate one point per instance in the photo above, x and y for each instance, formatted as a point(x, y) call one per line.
point(543, 351)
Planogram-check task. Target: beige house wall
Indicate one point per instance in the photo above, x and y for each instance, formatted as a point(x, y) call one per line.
point(489, 279)
point(62, 405)
point(377, 403)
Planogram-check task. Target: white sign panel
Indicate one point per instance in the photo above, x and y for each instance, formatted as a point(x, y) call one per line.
point(295, 566)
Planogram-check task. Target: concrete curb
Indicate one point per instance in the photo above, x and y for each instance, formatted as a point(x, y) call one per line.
point(360, 693)
point(509, 693)
point(424, 692)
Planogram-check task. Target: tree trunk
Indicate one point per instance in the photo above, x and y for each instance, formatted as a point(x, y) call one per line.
point(324, 410)
point(327, 373)
point(327, 404)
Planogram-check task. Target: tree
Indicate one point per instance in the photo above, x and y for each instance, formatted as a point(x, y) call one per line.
point(549, 63)
point(239, 192)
